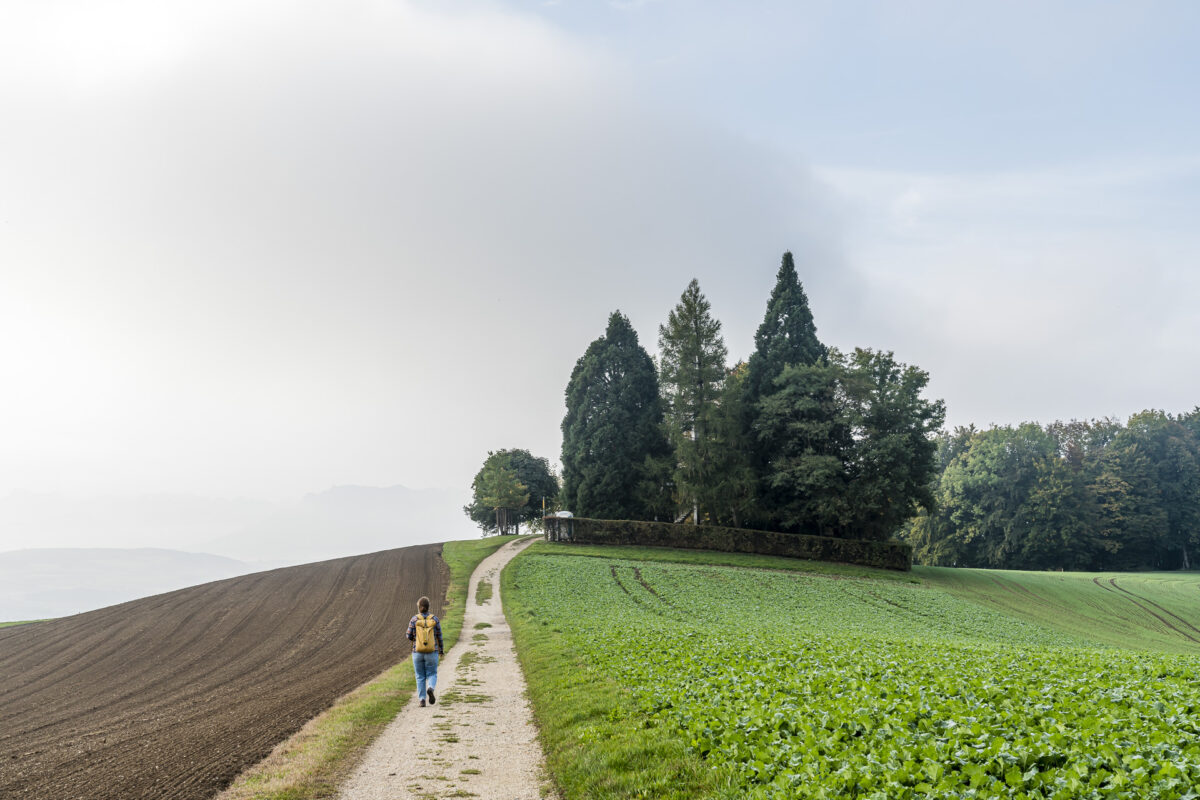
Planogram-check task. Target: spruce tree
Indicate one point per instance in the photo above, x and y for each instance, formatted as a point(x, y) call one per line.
point(692, 366)
point(786, 337)
point(612, 428)
point(733, 491)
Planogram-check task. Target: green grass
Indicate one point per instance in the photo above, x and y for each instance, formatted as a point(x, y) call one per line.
point(22, 622)
point(312, 764)
point(462, 557)
point(1157, 611)
point(593, 747)
point(483, 592)
point(713, 557)
point(673, 678)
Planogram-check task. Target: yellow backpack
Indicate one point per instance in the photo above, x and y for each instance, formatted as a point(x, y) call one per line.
point(426, 641)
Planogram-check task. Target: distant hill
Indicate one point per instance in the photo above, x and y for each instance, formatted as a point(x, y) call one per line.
point(341, 521)
point(57, 582)
point(170, 521)
point(348, 520)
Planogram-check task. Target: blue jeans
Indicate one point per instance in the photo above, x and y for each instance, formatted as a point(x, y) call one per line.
point(425, 665)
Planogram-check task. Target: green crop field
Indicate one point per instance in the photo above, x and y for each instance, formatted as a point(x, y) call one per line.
point(663, 678)
point(1152, 611)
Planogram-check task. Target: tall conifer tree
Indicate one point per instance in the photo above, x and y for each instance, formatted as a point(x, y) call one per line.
point(733, 446)
point(612, 428)
point(692, 366)
point(786, 337)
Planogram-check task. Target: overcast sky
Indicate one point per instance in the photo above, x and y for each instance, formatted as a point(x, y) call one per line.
point(253, 248)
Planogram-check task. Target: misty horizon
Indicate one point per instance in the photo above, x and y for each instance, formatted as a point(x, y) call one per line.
point(74, 555)
point(255, 252)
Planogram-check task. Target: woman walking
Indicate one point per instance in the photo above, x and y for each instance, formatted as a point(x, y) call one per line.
point(425, 632)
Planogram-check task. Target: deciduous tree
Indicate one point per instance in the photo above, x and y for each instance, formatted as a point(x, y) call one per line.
point(893, 428)
point(1150, 484)
point(532, 472)
point(981, 499)
point(499, 489)
point(849, 445)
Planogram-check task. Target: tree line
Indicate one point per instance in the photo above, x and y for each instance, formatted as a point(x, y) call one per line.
point(799, 438)
point(803, 438)
point(1097, 495)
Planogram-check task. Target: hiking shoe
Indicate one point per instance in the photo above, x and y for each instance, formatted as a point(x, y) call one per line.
point(432, 699)
point(422, 704)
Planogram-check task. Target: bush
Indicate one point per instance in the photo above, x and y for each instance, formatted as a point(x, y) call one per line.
point(887, 555)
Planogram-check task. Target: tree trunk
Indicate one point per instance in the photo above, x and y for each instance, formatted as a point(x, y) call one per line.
point(695, 446)
point(1186, 564)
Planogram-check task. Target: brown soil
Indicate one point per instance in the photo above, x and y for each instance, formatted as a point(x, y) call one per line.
point(174, 695)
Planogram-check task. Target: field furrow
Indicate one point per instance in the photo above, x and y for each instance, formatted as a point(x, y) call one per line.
point(174, 695)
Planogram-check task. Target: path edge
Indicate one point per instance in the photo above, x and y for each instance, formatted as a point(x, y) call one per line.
point(292, 772)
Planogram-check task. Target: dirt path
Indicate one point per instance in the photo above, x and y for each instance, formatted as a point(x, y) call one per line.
point(479, 739)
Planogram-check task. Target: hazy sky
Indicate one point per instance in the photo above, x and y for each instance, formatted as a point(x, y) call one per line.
point(263, 248)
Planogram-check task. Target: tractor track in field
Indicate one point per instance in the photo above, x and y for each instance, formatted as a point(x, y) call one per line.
point(1137, 601)
point(1015, 588)
point(1148, 601)
point(172, 696)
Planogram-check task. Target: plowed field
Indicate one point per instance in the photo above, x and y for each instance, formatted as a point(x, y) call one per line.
point(173, 695)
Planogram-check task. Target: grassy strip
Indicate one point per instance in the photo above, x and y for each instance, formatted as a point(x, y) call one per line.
point(312, 764)
point(462, 558)
point(718, 558)
point(1149, 610)
point(483, 592)
point(19, 622)
point(596, 747)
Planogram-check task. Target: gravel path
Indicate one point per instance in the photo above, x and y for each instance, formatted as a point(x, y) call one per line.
point(479, 739)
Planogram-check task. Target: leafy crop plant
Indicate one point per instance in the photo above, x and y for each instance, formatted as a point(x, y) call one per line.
point(804, 686)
